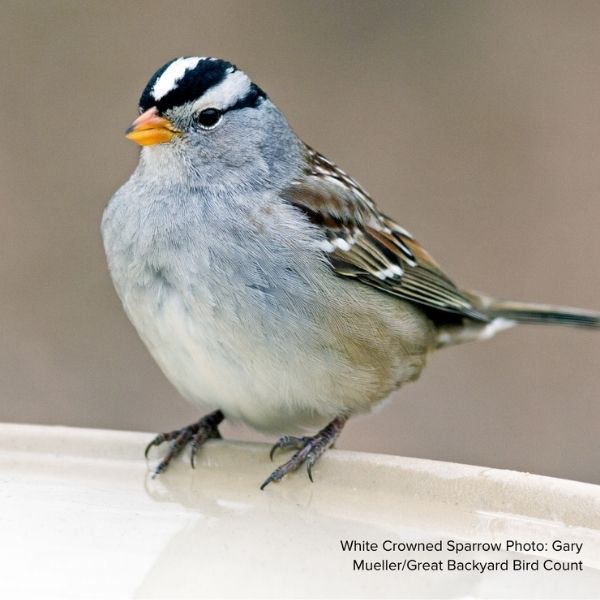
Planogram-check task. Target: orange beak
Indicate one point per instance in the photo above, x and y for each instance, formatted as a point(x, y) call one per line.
point(149, 129)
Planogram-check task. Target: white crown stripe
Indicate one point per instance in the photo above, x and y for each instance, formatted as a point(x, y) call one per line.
point(235, 86)
point(172, 74)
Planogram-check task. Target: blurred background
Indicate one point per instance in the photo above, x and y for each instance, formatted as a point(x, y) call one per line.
point(475, 124)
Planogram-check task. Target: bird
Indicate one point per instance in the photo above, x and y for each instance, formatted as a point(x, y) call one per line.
point(264, 280)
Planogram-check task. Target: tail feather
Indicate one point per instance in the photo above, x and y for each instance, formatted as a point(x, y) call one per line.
point(522, 312)
point(501, 315)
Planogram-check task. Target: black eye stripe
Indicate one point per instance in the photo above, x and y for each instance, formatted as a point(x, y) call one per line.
point(210, 117)
point(252, 99)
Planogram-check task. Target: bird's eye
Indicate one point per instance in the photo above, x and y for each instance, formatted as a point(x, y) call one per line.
point(209, 117)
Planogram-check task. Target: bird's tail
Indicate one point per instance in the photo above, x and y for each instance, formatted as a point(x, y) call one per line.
point(523, 312)
point(503, 315)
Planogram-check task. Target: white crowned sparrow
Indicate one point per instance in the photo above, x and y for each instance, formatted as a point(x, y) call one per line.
point(263, 279)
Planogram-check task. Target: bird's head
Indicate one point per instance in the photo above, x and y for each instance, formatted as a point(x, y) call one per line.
point(210, 115)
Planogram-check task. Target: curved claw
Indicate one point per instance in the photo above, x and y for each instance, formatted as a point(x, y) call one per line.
point(274, 476)
point(147, 450)
point(310, 461)
point(193, 452)
point(157, 441)
point(265, 483)
point(276, 446)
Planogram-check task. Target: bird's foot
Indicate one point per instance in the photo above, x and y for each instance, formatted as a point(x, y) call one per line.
point(309, 450)
point(195, 434)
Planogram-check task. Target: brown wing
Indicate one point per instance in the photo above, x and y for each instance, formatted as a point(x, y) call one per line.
point(365, 244)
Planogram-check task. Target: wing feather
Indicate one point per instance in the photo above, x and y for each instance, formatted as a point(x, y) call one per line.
point(369, 246)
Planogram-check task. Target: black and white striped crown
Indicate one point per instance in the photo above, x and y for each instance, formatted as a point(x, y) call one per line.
point(191, 78)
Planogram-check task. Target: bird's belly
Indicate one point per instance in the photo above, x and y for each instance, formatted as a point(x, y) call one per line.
point(191, 352)
point(269, 373)
point(272, 370)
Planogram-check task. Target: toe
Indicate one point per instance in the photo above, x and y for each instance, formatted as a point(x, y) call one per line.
point(157, 441)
